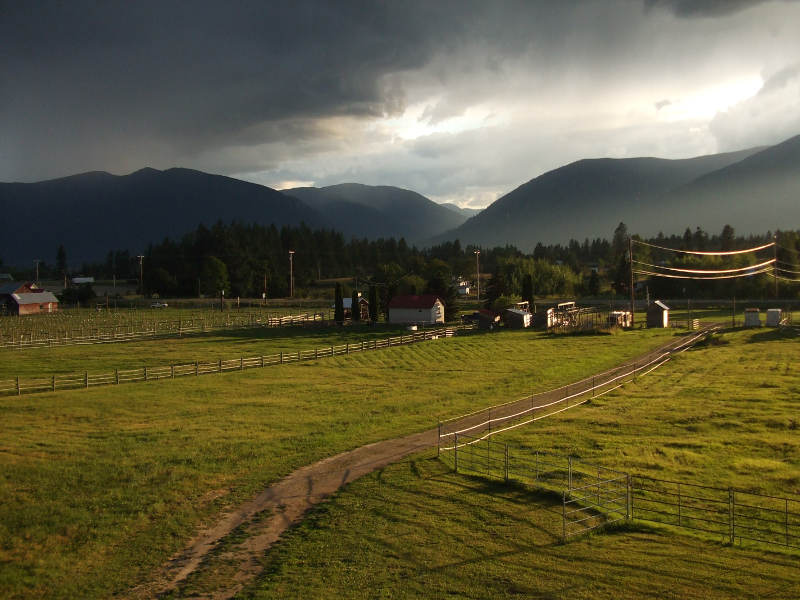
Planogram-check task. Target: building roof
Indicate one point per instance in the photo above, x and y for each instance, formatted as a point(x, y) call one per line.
point(424, 301)
point(517, 312)
point(661, 305)
point(13, 287)
point(34, 298)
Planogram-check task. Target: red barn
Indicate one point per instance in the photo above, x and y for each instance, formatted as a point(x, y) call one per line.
point(19, 298)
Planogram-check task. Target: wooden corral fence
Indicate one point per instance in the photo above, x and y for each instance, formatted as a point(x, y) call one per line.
point(593, 496)
point(49, 333)
point(31, 385)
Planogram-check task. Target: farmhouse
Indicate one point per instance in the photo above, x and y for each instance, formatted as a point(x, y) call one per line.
point(426, 309)
point(19, 298)
point(658, 314)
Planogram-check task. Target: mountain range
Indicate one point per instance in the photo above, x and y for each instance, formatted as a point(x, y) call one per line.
point(753, 190)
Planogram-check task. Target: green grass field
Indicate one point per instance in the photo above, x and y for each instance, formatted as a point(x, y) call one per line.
point(723, 414)
point(211, 346)
point(98, 487)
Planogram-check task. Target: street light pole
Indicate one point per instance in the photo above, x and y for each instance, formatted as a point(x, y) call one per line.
point(478, 272)
point(141, 279)
point(291, 274)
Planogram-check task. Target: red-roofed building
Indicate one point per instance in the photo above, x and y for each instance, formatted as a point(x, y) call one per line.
point(21, 298)
point(426, 309)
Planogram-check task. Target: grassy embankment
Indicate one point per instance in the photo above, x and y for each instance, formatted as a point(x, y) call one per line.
point(98, 487)
point(724, 414)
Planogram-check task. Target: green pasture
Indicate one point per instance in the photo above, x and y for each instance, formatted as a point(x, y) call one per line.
point(98, 487)
point(203, 347)
point(723, 414)
point(417, 530)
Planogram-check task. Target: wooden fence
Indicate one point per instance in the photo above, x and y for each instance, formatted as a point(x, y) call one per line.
point(62, 334)
point(31, 385)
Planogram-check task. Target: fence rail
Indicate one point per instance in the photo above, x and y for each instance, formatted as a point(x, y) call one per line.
point(18, 385)
point(501, 417)
point(64, 333)
point(594, 496)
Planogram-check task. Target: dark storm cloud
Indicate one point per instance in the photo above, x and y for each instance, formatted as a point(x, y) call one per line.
point(252, 87)
point(702, 8)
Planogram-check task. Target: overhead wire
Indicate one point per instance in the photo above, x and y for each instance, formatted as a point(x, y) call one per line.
point(697, 277)
point(708, 271)
point(704, 252)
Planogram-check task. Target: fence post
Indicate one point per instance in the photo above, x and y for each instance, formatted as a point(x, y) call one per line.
point(196, 368)
point(569, 474)
point(731, 515)
point(172, 371)
point(592, 386)
point(281, 357)
point(564, 516)
point(537, 466)
point(54, 383)
point(18, 389)
point(347, 348)
point(262, 361)
point(455, 452)
point(439, 439)
point(332, 352)
point(506, 462)
point(679, 504)
point(145, 373)
point(86, 379)
point(786, 519)
point(116, 376)
point(628, 497)
point(219, 365)
point(241, 363)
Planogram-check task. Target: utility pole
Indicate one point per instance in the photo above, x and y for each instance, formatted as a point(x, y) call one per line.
point(478, 273)
point(141, 272)
point(291, 274)
point(36, 262)
point(630, 260)
point(775, 264)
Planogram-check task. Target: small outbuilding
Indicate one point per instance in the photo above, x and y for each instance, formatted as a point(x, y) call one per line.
point(622, 318)
point(658, 314)
point(752, 317)
point(774, 317)
point(426, 309)
point(362, 308)
point(517, 319)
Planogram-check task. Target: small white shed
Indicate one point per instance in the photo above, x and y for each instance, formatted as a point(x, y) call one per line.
point(774, 317)
point(752, 317)
point(426, 309)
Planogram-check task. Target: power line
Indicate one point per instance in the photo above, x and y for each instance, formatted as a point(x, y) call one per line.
point(642, 272)
point(709, 271)
point(704, 253)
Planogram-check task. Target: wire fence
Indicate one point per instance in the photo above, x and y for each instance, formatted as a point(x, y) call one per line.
point(594, 496)
point(502, 417)
point(52, 332)
point(30, 385)
point(591, 496)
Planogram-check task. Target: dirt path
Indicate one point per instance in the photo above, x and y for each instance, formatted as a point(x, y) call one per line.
point(285, 503)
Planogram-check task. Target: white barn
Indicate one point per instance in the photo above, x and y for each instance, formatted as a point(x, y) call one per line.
point(426, 309)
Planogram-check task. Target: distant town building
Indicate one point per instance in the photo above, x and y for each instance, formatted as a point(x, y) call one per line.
point(81, 280)
point(426, 309)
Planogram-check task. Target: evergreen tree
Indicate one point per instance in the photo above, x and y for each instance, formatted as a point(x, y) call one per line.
point(373, 304)
point(61, 261)
point(594, 283)
point(527, 288)
point(338, 305)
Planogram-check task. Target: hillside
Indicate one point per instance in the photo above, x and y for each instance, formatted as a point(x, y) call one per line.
point(588, 198)
point(378, 211)
point(760, 193)
point(466, 212)
point(95, 212)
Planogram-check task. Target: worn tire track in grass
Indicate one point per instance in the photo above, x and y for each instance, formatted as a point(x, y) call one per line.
point(286, 502)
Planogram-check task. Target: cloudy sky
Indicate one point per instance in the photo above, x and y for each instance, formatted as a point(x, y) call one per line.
point(461, 100)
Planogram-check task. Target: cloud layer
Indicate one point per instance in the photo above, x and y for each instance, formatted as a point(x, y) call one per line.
point(460, 101)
